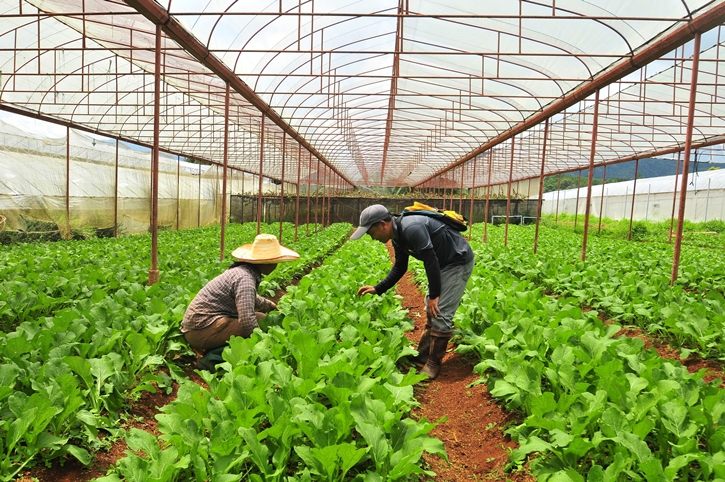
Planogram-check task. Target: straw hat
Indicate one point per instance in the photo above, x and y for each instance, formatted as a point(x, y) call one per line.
point(264, 250)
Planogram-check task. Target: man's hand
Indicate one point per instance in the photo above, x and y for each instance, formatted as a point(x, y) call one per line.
point(433, 310)
point(366, 290)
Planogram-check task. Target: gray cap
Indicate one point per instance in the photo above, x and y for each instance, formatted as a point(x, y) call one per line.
point(369, 216)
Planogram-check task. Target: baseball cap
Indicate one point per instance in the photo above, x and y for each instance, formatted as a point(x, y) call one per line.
point(369, 216)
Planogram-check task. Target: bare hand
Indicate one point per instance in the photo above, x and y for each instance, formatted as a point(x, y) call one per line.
point(433, 310)
point(366, 290)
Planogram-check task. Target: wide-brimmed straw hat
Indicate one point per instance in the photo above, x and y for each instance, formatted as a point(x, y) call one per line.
point(264, 250)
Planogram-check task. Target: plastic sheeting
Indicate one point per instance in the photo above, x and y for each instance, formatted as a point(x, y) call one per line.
point(34, 172)
point(654, 198)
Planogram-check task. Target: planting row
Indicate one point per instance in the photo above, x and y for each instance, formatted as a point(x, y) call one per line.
point(65, 378)
point(627, 281)
point(318, 396)
point(596, 407)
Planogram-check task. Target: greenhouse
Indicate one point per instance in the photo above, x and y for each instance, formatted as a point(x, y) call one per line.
point(150, 149)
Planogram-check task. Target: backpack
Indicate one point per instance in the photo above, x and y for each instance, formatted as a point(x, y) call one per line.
point(451, 218)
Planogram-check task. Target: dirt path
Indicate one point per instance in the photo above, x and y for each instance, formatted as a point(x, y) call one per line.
point(473, 432)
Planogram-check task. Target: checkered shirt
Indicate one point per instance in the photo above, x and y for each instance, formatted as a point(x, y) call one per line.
point(232, 294)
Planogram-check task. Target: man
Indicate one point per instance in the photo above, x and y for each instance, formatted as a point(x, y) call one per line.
point(448, 261)
point(229, 304)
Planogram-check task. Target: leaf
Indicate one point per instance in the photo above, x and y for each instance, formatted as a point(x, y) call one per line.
point(259, 452)
point(635, 445)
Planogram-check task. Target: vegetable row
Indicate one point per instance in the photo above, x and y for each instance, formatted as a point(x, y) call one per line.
point(66, 377)
point(318, 396)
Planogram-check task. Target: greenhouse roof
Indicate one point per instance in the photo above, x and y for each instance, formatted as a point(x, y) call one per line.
point(383, 93)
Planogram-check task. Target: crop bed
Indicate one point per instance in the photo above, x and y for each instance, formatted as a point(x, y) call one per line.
point(322, 396)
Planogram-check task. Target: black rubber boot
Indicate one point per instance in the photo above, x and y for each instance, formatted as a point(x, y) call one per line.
point(423, 349)
point(438, 346)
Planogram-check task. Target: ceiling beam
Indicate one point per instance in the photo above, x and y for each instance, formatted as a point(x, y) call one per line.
point(705, 21)
point(171, 27)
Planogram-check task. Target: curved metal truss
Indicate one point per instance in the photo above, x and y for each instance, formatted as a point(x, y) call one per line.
point(419, 93)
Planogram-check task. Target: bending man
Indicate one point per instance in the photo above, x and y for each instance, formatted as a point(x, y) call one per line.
point(448, 261)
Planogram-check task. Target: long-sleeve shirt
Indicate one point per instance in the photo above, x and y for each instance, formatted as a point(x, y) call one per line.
point(232, 294)
point(430, 241)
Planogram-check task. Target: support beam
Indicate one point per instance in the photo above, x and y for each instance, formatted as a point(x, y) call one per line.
point(686, 160)
point(541, 185)
point(590, 177)
point(223, 220)
point(154, 271)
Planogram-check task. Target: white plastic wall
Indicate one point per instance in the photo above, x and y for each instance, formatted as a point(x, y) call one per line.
point(653, 199)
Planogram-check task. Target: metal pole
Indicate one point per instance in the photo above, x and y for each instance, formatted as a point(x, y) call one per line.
point(576, 204)
point(646, 211)
point(309, 181)
point(281, 194)
point(460, 201)
point(508, 195)
point(473, 189)
point(488, 197)
point(223, 220)
point(67, 183)
point(558, 193)
point(299, 168)
point(686, 163)
point(634, 192)
point(115, 195)
point(178, 191)
point(541, 184)
point(317, 193)
point(261, 164)
point(154, 271)
point(590, 176)
point(707, 198)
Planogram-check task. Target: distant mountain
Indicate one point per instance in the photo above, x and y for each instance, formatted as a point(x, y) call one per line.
point(648, 168)
point(623, 172)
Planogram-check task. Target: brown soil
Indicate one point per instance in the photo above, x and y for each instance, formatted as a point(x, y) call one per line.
point(472, 423)
point(693, 363)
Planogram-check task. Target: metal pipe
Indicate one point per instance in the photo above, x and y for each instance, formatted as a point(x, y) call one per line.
point(281, 194)
point(590, 176)
point(601, 199)
point(261, 164)
point(488, 197)
point(508, 195)
point(686, 162)
point(67, 184)
point(634, 192)
point(223, 220)
point(154, 271)
point(470, 211)
point(541, 185)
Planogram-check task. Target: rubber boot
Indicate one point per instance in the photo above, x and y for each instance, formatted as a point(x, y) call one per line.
point(423, 349)
point(438, 346)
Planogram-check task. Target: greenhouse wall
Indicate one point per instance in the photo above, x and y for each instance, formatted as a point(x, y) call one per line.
point(347, 209)
point(34, 173)
point(653, 199)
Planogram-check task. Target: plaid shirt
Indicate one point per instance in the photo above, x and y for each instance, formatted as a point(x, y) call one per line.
point(232, 294)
